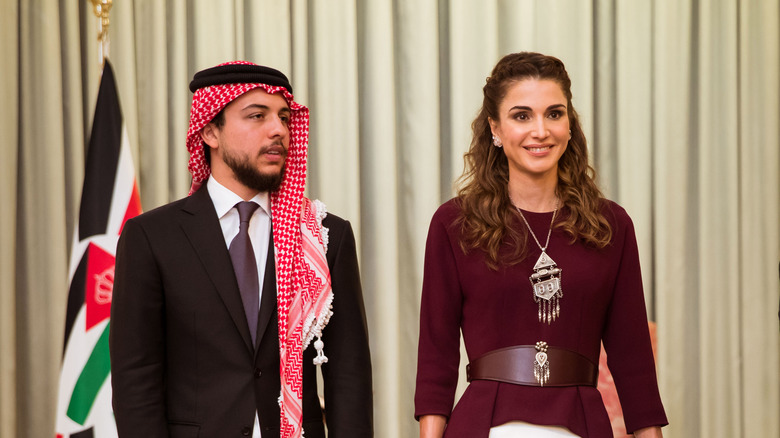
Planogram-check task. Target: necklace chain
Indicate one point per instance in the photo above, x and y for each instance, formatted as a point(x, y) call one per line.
point(549, 232)
point(546, 279)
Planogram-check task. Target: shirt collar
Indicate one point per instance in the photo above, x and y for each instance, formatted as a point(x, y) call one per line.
point(224, 199)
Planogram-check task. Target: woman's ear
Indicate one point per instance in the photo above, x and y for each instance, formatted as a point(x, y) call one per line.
point(493, 126)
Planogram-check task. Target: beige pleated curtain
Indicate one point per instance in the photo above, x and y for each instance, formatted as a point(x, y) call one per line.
point(680, 100)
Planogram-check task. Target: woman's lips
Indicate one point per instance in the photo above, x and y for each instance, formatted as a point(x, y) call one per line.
point(538, 150)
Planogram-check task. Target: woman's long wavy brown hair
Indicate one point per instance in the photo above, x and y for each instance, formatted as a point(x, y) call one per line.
point(487, 216)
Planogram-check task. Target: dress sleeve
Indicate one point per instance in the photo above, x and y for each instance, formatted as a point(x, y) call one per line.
point(438, 355)
point(627, 338)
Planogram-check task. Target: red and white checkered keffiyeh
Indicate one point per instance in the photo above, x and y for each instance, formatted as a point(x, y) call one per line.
point(304, 293)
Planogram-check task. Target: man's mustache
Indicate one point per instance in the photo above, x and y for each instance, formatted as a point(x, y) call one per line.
point(275, 147)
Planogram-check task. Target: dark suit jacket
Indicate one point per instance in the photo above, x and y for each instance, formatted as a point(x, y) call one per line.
point(182, 362)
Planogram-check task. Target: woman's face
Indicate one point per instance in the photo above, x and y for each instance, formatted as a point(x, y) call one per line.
point(533, 126)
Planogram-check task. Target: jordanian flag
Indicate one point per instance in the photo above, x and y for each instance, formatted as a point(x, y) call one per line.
point(108, 199)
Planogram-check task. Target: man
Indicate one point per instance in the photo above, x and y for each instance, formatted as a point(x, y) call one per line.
point(222, 307)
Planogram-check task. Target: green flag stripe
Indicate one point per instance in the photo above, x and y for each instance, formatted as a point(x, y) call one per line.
point(90, 381)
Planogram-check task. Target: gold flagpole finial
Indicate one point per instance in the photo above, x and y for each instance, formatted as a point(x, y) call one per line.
point(102, 8)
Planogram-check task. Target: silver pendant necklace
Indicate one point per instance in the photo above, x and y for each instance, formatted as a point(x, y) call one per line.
point(546, 279)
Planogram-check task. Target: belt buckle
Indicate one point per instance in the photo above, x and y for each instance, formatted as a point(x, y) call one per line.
point(541, 363)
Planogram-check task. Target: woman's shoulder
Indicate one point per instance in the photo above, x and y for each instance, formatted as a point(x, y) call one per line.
point(618, 218)
point(448, 212)
point(614, 212)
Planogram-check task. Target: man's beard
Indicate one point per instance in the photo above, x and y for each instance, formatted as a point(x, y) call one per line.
point(249, 176)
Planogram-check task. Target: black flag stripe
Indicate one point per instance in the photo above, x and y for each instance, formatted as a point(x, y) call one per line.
point(102, 159)
point(76, 296)
point(84, 434)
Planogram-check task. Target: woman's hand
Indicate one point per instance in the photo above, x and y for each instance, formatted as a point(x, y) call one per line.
point(649, 432)
point(432, 426)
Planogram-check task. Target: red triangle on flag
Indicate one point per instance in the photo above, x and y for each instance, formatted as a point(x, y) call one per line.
point(99, 285)
point(133, 207)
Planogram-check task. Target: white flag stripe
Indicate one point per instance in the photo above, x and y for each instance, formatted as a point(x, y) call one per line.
point(123, 187)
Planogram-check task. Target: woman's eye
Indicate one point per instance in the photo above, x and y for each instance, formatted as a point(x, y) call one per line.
point(556, 115)
point(522, 116)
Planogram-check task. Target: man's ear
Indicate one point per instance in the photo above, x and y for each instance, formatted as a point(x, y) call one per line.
point(209, 135)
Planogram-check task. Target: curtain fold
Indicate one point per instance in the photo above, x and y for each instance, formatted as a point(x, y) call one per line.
point(9, 95)
point(333, 103)
point(379, 179)
point(758, 209)
point(717, 223)
point(679, 100)
point(40, 254)
point(417, 184)
point(675, 176)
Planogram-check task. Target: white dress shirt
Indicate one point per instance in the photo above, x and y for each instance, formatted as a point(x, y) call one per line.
point(259, 232)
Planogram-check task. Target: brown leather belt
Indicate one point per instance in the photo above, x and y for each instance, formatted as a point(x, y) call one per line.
point(516, 365)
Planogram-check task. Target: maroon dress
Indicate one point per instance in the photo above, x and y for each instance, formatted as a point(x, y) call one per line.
point(602, 300)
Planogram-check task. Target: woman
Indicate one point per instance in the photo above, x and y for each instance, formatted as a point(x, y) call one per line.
point(535, 268)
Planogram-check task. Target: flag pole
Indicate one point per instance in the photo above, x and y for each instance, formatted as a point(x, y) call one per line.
point(102, 9)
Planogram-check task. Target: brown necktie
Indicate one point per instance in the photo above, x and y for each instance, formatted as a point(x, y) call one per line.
point(245, 266)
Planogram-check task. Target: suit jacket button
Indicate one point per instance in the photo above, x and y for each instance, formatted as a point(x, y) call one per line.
point(258, 373)
point(246, 431)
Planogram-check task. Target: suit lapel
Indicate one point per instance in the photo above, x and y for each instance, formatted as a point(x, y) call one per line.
point(268, 298)
point(201, 225)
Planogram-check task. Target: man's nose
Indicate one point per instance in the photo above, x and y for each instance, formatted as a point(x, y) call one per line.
point(279, 127)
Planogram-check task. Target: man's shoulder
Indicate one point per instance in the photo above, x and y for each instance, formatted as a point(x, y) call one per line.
point(337, 229)
point(166, 215)
point(160, 212)
point(332, 220)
